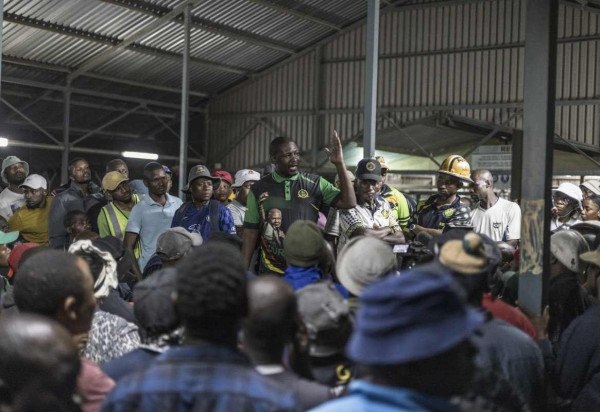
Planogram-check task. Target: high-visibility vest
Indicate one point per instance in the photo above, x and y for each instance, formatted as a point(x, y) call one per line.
point(117, 227)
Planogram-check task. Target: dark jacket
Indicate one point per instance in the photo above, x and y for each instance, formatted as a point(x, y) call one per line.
point(70, 199)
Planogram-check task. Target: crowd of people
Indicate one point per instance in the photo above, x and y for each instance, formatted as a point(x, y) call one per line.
point(279, 290)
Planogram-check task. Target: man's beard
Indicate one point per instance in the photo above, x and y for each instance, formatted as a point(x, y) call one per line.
point(16, 180)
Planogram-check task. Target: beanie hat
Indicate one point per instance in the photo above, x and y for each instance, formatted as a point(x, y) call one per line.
point(363, 261)
point(303, 244)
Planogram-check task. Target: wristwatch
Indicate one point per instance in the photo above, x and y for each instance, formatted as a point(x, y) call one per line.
point(412, 227)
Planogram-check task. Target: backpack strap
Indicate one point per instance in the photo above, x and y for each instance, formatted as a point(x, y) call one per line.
point(180, 213)
point(214, 206)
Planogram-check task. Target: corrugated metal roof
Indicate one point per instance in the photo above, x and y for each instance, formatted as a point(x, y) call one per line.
point(44, 40)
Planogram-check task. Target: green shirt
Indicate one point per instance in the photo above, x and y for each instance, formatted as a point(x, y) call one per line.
point(298, 197)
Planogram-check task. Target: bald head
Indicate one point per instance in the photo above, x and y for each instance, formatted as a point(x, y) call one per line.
point(483, 174)
point(270, 295)
point(482, 189)
point(271, 322)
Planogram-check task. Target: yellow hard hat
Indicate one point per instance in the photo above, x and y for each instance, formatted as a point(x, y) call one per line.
point(457, 166)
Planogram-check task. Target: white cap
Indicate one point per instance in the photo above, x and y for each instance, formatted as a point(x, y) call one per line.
point(245, 175)
point(570, 190)
point(35, 182)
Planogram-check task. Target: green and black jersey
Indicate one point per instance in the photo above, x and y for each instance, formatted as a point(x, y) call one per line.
point(286, 199)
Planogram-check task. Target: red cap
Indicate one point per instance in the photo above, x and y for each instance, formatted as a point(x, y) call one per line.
point(223, 175)
point(15, 257)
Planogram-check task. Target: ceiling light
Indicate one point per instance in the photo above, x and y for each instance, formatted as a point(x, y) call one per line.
point(140, 155)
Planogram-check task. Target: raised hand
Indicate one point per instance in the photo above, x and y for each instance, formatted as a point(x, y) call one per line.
point(334, 151)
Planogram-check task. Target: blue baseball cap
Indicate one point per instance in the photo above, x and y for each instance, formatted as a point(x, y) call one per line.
point(411, 317)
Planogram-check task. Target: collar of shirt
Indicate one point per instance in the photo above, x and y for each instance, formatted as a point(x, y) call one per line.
point(269, 369)
point(278, 178)
point(403, 397)
point(377, 202)
point(431, 202)
point(94, 189)
point(205, 352)
point(151, 201)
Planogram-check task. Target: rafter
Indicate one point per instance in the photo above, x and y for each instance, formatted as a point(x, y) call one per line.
point(206, 25)
point(95, 93)
point(115, 44)
point(53, 67)
point(296, 13)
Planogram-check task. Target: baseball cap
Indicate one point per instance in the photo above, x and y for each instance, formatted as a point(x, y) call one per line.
point(369, 169)
point(12, 160)
point(176, 242)
point(153, 302)
point(326, 316)
point(111, 180)
point(167, 170)
point(244, 175)
point(223, 175)
point(382, 162)
point(363, 261)
point(35, 182)
point(197, 172)
point(411, 317)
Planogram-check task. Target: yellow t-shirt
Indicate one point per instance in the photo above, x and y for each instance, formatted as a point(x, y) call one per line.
point(32, 224)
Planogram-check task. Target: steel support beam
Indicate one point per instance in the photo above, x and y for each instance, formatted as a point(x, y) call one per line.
point(105, 125)
point(206, 25)
point(111, 79)
point(115, 44)
point(138, 35)
point(91, 150)
point(421, 148)
point(206, 133)
point(94, 93)
point(236, 141)
point(296, 13)
point(64, 170)
point(88, 105)
point(185, 101)
point(1, 38)
point(492, 133)
point(30, 121)
point(75, 130)
point(538, 137)
point(370, 104)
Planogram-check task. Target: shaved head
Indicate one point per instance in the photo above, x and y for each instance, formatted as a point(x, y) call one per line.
point(270, 295)
point(271, 322)
point(483, 174)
